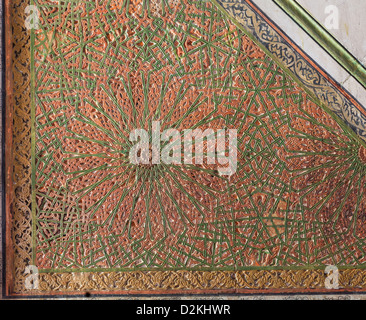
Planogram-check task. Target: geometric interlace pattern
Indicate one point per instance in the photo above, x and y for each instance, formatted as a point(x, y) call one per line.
point(105, 68)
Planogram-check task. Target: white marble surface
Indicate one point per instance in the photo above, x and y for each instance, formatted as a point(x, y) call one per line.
point(318, 54)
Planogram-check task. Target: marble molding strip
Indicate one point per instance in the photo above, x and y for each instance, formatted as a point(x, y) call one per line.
point(324, 39)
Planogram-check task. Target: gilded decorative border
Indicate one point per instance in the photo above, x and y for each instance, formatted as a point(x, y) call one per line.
point(320, 85)
point(19, 245)
point(180, 282)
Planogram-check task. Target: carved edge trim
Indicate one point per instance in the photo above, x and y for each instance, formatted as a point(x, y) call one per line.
point(249, 18)
point(8, 163)
point(138, 282)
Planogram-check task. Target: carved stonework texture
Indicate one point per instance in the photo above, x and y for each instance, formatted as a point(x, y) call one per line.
point(82, 217)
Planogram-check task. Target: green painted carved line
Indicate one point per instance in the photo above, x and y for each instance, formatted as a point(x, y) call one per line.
point(324, 39)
